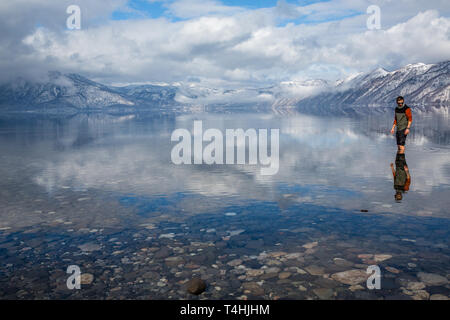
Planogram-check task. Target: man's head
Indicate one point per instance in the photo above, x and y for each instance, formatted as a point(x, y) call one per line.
point(400, 101)
point(398, 196)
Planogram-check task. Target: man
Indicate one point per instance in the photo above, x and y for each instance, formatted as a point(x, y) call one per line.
point(403, 121)
point(402, 178)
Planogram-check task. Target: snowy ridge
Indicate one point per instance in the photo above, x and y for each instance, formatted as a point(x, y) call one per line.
point(425, 85)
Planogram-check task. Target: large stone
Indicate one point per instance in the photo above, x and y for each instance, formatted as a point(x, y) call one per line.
point(315, 270)
point(350, 277)
point(432, 279)
point(196, 286)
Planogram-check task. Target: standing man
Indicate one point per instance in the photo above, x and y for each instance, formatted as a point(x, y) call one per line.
point(403, 120)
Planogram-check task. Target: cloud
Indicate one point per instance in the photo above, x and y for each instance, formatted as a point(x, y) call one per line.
point(216, 43)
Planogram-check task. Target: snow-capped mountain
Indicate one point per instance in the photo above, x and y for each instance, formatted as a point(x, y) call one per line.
point(423, 85)
point(59, 92)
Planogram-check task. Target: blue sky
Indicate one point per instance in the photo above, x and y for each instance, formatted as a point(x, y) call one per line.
point(141, 9)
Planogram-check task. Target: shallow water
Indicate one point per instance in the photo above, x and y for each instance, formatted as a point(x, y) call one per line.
point(101, 192)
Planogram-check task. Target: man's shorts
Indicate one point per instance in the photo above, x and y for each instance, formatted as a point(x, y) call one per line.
point(401, 137)
point(400, 161)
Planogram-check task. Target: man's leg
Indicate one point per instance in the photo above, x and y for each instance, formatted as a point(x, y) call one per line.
point(401, 139)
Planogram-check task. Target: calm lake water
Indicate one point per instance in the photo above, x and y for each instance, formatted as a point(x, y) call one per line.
point(101, 192)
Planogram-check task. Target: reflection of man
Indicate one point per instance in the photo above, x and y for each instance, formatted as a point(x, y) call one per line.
point(402, 178)
point(403, 120)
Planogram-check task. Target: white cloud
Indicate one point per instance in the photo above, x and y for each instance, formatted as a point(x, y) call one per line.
point(224, 44)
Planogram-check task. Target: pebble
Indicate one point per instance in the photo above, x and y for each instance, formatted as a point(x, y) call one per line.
point(272, 270)
point(284, 275)
point(324, 293)
point(415, 286)
point(253, 288)
point(235, 232)
point(167, 235)
point(315, 270)
point(356, 288)
point(235, 262)
point(173, 261)
point(421, 295)
point(294, 255)
point(432, 279)
point(196, 286)
point(87, 278)
point(393, 270)
point(342, 262)
point(255, 272)
point(381, 257)
point(310, 245)
point(439, 297)
point(89, 247)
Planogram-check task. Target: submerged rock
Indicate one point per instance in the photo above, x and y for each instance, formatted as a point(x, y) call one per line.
point(415, 286)
point(324, 293)
point(196, 286)
point(284, 275)
point(439, 297)
point(350, 277)
point(87, 278)
point(393, 270)
point(310, 245)
point(432, 279)
point(315, 270)
point(235, 262)
point(89, 247)
point(342, 262)
point(381, 257)
point(255, 272)
point(253, 288)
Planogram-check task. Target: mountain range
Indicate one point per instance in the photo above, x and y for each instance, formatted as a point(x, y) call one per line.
point(425, 86)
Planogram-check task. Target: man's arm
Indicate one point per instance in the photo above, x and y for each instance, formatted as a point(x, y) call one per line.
point(409, 116)
point(408, 179)
point(393, 126)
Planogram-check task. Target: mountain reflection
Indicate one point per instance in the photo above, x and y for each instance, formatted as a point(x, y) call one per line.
point(332, 162)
